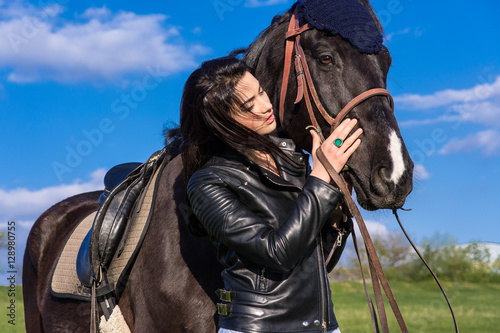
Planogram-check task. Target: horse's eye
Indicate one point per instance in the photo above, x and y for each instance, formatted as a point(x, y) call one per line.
point(325, 59)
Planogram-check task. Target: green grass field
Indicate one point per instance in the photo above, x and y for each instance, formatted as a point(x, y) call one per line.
point(477, 307)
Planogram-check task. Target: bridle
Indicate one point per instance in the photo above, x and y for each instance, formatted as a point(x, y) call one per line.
point(304, 85)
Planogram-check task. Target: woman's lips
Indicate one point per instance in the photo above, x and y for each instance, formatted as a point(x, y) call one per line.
point(270, 119)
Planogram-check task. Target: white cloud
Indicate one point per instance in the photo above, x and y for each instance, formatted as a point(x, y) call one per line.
point(22, 204)
point(99, 46)
point(19, 8)
point(420, 172)
point(430, 121)
point(483, 112)
point(24, 224)
point(450, 97)
point(93, 13)
point(488, 142)
point(415, 32)
point(391, 35)
point(478, 105)
point(375, 229)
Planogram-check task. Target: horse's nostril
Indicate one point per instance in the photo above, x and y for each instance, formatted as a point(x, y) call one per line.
point(381, 181)
point(385, 174)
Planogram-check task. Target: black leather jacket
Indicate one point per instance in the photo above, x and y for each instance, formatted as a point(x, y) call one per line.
point(267, 232)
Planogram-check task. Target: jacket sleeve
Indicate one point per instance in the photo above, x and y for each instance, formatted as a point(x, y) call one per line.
point(228, 220)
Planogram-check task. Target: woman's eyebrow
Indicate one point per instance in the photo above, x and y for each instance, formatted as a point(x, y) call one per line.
point(247, 101)
point(251, 98)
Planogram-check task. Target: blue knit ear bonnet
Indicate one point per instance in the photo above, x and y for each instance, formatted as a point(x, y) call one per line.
point(347, 18)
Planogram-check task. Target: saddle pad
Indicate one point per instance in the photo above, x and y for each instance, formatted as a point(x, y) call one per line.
point(65, 282)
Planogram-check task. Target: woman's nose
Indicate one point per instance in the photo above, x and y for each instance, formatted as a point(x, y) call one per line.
point(266, 104)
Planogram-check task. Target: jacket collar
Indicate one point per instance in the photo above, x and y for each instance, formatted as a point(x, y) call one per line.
point(292, 177)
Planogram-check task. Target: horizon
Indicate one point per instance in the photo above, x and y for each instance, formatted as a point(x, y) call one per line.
point(85, 87)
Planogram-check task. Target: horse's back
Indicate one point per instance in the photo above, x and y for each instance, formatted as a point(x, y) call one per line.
point(45, 241)
point(52, 227)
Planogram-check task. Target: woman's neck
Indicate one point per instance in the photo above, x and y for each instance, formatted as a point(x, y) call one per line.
point(264, 160)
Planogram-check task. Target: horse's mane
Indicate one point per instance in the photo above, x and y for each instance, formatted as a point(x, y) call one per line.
point(173, 140)
point(253, 52)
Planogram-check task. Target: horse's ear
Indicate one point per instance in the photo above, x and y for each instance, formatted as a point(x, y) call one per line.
point(278, 18)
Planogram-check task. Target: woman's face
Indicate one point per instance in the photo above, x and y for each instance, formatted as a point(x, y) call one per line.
point(256, 108)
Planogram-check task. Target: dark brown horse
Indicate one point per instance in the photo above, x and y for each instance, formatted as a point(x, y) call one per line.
point(171, 286)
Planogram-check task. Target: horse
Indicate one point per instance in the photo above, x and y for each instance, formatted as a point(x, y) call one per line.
point(171, 286)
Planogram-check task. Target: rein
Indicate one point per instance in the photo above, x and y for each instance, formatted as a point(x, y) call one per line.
point(304, 85)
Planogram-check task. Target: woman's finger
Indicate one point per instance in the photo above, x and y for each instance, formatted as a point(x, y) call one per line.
point(352, 148)
point(339, 152)
point(316, 141)
point(351, 139)
point(343, 130)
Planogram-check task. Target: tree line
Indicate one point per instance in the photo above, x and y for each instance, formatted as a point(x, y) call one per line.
point(451, 262)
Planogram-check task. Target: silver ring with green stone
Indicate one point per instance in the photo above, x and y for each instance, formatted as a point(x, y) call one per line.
point(338, 142)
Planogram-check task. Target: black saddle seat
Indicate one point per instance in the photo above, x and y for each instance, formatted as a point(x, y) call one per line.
point(114, 177)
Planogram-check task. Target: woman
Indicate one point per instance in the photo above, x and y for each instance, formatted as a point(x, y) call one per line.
point(263, 211)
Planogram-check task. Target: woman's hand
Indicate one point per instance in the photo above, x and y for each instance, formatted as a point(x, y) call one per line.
point(337, 156)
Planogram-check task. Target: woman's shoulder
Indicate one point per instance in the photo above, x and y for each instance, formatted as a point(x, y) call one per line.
point(220, 169)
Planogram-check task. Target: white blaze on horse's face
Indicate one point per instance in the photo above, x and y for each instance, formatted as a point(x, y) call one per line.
point(398, 163)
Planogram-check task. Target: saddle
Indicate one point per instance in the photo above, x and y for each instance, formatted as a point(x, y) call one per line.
point(112, 179)
point(110, 223)
point(116, 232)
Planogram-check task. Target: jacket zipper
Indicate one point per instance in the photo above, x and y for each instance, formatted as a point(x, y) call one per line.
point(339, 238)
point(261, 282)
point(338, 241)
point(321, 263)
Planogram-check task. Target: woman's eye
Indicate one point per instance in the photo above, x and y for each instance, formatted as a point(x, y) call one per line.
point(325, 60)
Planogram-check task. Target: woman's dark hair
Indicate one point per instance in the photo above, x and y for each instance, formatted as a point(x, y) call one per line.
point(208, 100)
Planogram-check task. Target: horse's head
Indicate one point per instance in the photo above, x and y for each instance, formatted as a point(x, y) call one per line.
point(381, 169)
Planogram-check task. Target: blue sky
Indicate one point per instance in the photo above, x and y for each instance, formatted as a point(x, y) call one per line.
point(87, 85)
